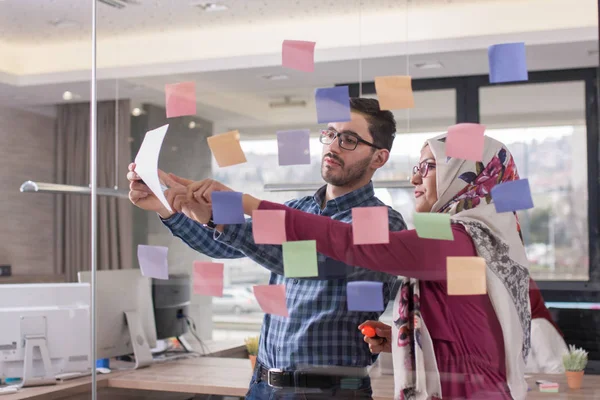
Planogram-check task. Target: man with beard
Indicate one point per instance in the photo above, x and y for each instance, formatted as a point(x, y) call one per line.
point(317, 352)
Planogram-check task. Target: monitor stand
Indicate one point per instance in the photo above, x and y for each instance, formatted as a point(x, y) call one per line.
point(141, 350)
point(48, 378)
point(185, 344)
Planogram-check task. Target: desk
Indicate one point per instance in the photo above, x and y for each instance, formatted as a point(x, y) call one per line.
point(230, 376)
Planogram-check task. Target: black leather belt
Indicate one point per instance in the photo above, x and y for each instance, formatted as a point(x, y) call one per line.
point(307, 379)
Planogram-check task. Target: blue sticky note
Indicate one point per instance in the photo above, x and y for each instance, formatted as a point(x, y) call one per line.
point(293, 147)
point(365, 296)
point(333, 104)
point(227, 208)
point(512, 196)
point(508, 63)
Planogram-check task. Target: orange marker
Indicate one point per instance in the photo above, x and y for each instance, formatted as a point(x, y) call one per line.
point(369, 332)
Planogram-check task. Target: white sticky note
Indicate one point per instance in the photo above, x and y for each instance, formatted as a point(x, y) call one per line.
point(146, 162)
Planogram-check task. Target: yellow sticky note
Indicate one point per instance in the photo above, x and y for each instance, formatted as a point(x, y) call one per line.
point(394, 92)
point(466, 275)
point(226, 149)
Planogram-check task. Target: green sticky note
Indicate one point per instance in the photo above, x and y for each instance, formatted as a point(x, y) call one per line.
point(300, 259)
point(433, 226)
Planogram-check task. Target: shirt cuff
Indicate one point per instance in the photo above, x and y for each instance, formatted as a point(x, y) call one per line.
point(174, 220)
point(230, 236)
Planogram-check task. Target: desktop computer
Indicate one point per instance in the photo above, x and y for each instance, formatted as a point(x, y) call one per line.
point(45, 331)
point(124, 314)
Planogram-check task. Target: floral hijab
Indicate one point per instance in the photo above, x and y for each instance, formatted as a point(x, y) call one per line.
point(464, 191)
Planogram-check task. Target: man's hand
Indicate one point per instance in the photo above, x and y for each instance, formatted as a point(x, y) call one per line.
point(202, 190)
point(199, 209)
point(141, 195)
point(383, 344)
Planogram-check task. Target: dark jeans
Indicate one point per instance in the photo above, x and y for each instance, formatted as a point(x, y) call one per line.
point(260, 390)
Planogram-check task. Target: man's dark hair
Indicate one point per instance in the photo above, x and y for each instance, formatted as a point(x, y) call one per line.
point(382, 124)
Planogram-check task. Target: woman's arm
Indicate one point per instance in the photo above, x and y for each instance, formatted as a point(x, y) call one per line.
point(406, 254)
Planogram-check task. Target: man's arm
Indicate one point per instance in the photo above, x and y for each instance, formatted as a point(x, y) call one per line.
point(240, 237)
point(199, 237)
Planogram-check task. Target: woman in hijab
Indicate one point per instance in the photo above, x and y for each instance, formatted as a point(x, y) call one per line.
point(449, 347)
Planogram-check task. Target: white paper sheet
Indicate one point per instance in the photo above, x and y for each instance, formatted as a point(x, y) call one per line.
point(146, 162)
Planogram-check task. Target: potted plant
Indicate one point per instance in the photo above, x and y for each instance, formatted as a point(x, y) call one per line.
point(252, 347)
point(575, 361)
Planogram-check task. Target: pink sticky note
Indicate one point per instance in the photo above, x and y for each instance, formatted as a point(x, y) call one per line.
point(268, 226)
point(153, 261)
point(271, 299)
point(180, 99)
point(208, 278)
point(298, 54)
point(465, 141)
point(370, 225)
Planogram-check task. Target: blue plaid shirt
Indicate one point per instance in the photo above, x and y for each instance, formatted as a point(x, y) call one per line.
point(319, 330)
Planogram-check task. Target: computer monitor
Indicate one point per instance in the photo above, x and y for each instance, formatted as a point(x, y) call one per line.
point(171, 305)
point(124, 314)
point(45, 331)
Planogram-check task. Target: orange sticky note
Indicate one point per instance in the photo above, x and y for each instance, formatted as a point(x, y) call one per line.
point(465, 275)
point(180, 99)
point(298, 54)
point(370, 225)
point(268, 226)
point(208, 278)
point(226, 149)
point(271, 299)
point(465, 141)
point(394, 92)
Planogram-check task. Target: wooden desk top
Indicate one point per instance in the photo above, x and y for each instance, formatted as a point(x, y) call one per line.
point(231, 376)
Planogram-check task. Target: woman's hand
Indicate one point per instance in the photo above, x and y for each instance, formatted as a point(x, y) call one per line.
point(382, 344)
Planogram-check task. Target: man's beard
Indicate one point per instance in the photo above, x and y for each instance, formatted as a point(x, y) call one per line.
point(347, 176)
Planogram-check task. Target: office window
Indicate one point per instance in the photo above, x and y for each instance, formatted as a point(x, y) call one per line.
point(544, 127)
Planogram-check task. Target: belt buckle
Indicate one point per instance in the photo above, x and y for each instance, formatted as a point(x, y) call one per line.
point(269, 376)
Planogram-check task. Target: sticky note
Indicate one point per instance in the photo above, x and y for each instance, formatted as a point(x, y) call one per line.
point(465, 141)
point(227, 208)
point(365, 296)
point(208, 278)
point(180, 99)
point(153, 261)
point(508, 63)
point(271, 299)
point(226, 149)
point(268, 226)
point(298, 54)
point(300, 259)
point(370, 225)
point(433, 226)
point(333, 104)
point(293, 147)
point(465, 275)
point(394, 92)
point(512, 196)
point(146, 162)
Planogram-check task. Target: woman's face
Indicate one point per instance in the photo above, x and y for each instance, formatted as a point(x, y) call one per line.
point(425, 187)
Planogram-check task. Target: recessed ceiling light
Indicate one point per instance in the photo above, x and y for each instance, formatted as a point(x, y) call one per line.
point(429, 65)
point(275, 77)
point(67, 96)
point(63, 23)
point(209, 7)
point(136, 112)
point(287, 102)
point(192, 124)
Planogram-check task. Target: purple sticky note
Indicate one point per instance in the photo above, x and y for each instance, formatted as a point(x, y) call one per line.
point(293, 147)
point(227, 208)
point(508, 63)
point(298, 54)
point(365, 296)
point(512, 196)
point(153, 261)
point(333, 104)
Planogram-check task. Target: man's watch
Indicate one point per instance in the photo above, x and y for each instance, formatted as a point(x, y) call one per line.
point(210, 224)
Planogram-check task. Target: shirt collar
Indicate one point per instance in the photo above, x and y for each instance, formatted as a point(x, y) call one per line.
point(347, 201)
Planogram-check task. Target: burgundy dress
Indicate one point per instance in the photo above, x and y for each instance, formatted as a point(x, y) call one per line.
point(466, 335)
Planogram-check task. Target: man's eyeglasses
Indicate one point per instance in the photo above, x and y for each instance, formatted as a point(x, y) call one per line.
point(423, 168)
point(346, 140)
